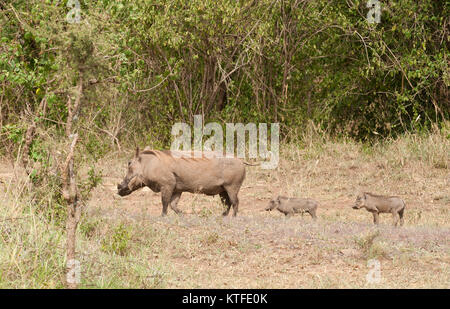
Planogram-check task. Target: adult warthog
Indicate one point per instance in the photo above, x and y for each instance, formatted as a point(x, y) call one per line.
point(173, 173)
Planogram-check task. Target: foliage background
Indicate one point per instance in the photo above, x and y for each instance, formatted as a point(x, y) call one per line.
point(147, 64)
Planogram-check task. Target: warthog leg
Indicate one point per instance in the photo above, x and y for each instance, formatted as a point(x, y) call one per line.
point(174, 202)
point(313, 214)
point(235, 203)
point(166, 198)
point(400, 213)
point(226, 202)
point(232, 195)
point(396, 217)
point(375, 217)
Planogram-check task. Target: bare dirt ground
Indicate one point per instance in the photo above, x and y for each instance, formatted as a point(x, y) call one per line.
point(259, 249)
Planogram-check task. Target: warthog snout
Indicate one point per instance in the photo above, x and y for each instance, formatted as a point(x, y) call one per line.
point(122, 189)
point(272, 204)
point(359, 202)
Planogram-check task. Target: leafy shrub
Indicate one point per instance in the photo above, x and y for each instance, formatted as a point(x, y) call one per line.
point(118, 241)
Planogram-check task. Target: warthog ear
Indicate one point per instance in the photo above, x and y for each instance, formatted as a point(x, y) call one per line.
point(137, 152)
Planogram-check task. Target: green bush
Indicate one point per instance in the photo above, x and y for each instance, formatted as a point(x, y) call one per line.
point(118, 241)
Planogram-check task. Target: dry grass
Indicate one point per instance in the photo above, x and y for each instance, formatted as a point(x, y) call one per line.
point(125, 243)
point(31, 251)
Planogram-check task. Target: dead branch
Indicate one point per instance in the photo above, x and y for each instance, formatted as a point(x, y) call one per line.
point(29, 135)
point(69, 188)
point(70, 194)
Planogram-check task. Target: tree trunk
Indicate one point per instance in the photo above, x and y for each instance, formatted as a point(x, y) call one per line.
point(70, 194)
